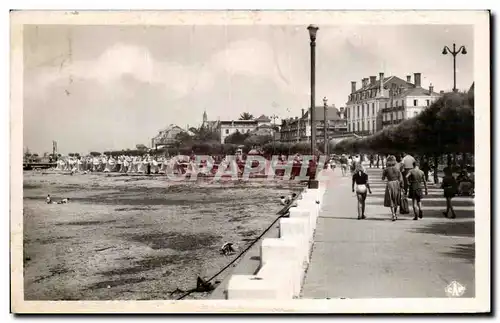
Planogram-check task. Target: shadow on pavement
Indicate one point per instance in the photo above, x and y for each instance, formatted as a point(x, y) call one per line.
point(368, 218)
point(449, 228)
point(463, 251)
point(432, 213)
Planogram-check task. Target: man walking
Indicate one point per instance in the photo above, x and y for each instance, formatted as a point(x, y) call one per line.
point(415, 178)
point(407, 163)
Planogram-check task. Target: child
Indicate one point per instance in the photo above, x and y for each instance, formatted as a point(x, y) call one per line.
point(63, 201)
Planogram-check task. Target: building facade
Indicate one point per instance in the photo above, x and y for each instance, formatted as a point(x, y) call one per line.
point(386, 101)
point(166, 137)
point(299, 128)
point(229, 127)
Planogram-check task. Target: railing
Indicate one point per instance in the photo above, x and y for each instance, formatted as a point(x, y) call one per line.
point(391, 109)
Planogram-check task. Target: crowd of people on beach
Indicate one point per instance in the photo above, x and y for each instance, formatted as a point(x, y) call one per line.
point(160, 164)
point(405, 180)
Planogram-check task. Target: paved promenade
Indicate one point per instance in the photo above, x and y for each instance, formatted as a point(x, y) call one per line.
point(378, 258)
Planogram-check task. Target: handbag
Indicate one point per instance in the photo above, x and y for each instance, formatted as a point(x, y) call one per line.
point(404, 207)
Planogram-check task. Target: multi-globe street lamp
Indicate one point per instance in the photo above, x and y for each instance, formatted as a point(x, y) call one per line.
point(454, 53)
point(313, 183)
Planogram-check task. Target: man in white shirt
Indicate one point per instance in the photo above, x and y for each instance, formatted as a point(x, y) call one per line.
point(407, 163)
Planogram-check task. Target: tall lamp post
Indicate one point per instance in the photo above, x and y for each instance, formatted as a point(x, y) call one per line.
point(313, 183)
point(274, 117)
point(454, 53)
point(325, 129)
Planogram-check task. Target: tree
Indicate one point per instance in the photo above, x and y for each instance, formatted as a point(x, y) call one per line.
point(256, 140)
point(245, 116)
point(141, 147)
point(236, 138)
point(204, 134)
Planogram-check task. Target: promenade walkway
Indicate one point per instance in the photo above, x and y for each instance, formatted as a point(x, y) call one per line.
point(378, 258)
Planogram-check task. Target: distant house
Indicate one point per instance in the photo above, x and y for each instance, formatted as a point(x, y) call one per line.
point(167, 137)
point(228, 127)
point(386, 101)
point(299, 128)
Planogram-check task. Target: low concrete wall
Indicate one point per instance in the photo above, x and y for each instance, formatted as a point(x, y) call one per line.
point(283, 259)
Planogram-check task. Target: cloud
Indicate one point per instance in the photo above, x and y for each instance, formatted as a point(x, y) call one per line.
point(117, 61)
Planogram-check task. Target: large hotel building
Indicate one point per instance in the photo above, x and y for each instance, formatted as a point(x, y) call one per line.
point(386, 101)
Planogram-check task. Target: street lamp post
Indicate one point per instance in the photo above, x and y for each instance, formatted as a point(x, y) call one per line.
point(274, 117)
point(454, 53)
point(313, 183)
point(325, 129)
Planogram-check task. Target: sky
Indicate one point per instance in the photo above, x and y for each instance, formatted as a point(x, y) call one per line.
point(98, 88)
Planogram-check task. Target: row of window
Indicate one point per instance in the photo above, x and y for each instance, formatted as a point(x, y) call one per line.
point(363, 95)
point(397, 115)
point(361, 108)
point(240, 130)
point(360, 126)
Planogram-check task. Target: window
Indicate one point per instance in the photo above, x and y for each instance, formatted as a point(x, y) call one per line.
point(392, 116)
point(415, 103)
point(386, 105)
point(357, 114)
point(357, 126)
point(373, 109)
point(428, 102)
point(227, 131)
point(373, 126)
point(362, 111)
point(349, 127)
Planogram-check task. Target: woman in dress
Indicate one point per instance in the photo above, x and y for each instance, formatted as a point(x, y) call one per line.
point(449, 186)
point(393, 187)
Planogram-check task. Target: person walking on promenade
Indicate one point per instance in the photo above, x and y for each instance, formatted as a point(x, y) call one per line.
point(350, 163)
point(407, 164)
point(394, 178)
point(371, 160)
point(449, 186)
point(343, 164)
point(360, 178)
point(415, 179)
point(425, 168)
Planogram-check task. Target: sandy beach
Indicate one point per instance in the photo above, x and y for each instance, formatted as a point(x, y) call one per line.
point(136, 237)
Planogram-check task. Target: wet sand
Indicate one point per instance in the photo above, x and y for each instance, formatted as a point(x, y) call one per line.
point(136, 237)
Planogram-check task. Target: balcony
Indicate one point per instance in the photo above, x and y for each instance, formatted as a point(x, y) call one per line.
point(391, 122)
point(392, 109)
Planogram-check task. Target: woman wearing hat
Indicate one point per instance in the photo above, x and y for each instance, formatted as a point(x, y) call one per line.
point(360, 178)
point(393, 187)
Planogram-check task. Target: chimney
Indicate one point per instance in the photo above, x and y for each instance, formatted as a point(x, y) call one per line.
point(353, 86)
point(417, 79)
point(431, 89)
point(302, 112)
point(408, 78)
point(341, 112)
point(373, 79)
point(381, 75)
